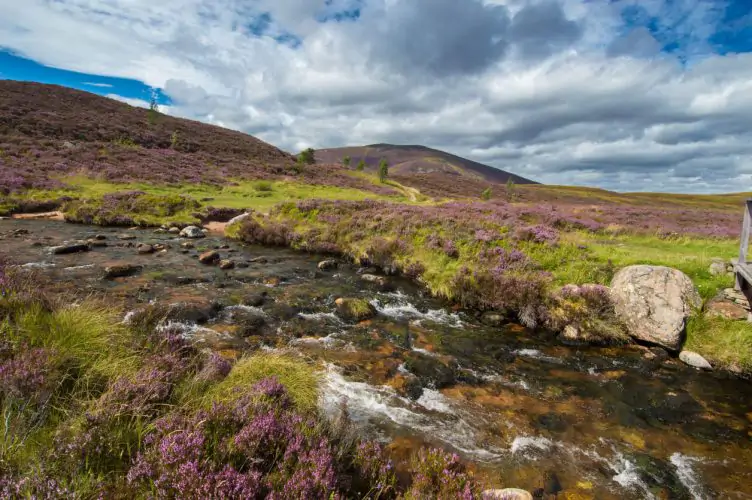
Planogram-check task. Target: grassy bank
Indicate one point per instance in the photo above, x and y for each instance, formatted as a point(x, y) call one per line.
point(93, 407)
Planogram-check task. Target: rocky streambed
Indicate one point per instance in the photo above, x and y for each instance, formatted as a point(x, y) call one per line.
point(525, 410)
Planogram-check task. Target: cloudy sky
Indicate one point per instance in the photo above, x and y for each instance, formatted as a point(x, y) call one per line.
point(648, 95)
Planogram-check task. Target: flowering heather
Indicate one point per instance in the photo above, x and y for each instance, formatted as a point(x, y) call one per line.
point(538, 234)
point(437, 474)
point(26, 375)
point(589, 311)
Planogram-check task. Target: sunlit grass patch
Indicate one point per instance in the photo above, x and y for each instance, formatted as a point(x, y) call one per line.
point(725, 343)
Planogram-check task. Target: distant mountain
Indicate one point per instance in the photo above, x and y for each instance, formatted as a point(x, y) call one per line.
point(430, 170)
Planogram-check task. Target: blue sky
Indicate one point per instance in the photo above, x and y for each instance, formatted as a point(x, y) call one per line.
point(621, 94)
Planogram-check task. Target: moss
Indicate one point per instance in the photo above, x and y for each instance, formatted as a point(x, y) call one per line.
point(355, 309)
point(300, 379)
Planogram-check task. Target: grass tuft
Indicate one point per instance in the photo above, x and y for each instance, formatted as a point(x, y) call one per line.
point(299, 378)
point(725, 343)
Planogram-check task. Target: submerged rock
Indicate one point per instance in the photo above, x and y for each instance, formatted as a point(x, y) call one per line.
point(430, 371)
point(383, 282)
point(328, 265)
point(193, 232)
point(494, 319)
point(70, 248)
point(655, 302)
point(226, 264)
point(94, 243)
point(121, 270)
point(195, 310)
point(144, 249)
point(126, 237)
point(210, 257)
point(693, 359)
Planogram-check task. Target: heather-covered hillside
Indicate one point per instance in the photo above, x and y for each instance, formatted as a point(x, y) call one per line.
point(48, 132)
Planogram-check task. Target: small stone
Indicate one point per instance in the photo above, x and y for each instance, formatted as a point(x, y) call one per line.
point(493, 319)
point(192, 232)
point(161, 247)
point(259, 260)
point(225, 247)
point(187, 244)
point(96, 243)
point(70, 248)
point(693, 359)
point(121, 270)
point(506, 494)
point(328, 265)
point(726, 309)
point(174, 230)
point(144, 249)
point(226, 264)
point(242, 265)
point(210, 257)
point(159, 231)
point(372, 278)
point(100, 237)
point(126, 237)
point(717, 267)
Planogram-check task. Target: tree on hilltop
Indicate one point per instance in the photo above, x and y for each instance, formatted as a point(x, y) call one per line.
point(383, 170)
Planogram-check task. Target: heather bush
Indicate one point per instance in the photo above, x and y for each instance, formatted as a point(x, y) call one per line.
point(437, 474)
point(588, 312)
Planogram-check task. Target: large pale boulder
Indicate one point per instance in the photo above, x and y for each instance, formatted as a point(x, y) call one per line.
point(654, 302)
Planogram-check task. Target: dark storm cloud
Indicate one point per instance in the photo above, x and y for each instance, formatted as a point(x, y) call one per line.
point(540, 29)
point(442, 37)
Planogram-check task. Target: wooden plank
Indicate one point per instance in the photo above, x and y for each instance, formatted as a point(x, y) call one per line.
point(744, 245)
point(745, 271)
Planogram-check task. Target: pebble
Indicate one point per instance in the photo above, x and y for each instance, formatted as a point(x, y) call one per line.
point(209, 257)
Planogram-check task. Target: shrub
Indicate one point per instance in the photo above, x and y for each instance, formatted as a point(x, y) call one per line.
point(346, 162)
point(361, 166)
point(486, 194)
point(264, 186)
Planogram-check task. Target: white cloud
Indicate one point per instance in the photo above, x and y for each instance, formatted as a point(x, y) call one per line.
point(566, 97)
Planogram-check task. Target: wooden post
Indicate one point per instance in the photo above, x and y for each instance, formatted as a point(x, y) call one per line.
point(744, 246)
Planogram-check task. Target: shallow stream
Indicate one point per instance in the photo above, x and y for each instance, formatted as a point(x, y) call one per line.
point(521, 407)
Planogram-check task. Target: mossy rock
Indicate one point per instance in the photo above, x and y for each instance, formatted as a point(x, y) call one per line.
point(355, 309)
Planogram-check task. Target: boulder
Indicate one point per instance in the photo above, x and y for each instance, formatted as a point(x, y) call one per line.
point(210, 257)
point(121, 270)
point(654, 302)
point(192, 310)
point(693, 359)
point(192, 232)
point(328, 265)
point(70, 248)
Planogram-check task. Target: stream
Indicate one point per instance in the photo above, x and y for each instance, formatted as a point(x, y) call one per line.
point(608, 423)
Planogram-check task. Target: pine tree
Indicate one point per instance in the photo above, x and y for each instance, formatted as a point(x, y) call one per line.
point(486, 194)
point(346, 161)
point(361, 166)
point(383, 170)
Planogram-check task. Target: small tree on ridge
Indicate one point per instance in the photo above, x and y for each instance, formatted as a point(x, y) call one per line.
point(383, 170)
point(346, 162)
point(361, 166)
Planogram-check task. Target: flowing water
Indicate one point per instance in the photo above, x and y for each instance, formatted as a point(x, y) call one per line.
point(516, 404)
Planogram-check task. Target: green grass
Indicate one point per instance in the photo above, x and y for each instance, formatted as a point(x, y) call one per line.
point(725, 343)
point(300, 379)
point(258, 195)
point(692, 256)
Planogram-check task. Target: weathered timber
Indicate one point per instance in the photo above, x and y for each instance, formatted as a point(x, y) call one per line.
point(743, 267)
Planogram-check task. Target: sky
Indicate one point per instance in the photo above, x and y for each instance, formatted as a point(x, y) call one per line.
point(648, 95)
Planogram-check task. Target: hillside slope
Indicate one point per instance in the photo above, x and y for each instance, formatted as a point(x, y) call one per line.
point(432, 171)
point(48, 132)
